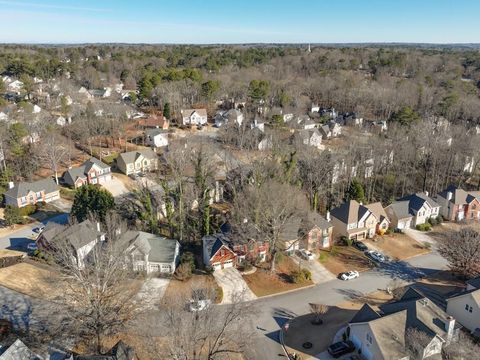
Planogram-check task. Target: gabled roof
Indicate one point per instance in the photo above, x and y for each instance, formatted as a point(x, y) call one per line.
point(154, 132)
point(474, 294)
point(70, 176)
point(416, 201)
point(475, 282)
point(213, 243)
point(401, 209)
point(189, 112)
point(378, 211)
point(459, 196)
point(132, 156)
point(158, 248)
point(18, 351)
point(23, 188)
point(389, 334)
point(349, 212)
point(78, 235)
point(365, 314)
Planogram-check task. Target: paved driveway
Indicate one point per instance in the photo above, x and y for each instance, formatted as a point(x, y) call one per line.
point(232, 284)
point(420, 236)
point(115, 186)
point(319, 273)
point(153, 291)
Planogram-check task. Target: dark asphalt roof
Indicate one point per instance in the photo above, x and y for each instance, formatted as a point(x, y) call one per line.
point(348, 212)
point(23, 188)
point(401, 209)
point(417, 200)
point(78, 235)
point(71, 175)
point(158, 248)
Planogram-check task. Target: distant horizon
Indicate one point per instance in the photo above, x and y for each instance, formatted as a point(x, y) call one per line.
point(244, 43)
point(436, 22)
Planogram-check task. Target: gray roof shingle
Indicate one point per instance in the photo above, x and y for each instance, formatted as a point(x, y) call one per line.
point(22, 189)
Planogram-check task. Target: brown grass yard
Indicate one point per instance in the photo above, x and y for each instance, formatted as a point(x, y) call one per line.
point(344, 258)
point(263, 283)
point(29, 279)
point(182, 289)
point(397, 246)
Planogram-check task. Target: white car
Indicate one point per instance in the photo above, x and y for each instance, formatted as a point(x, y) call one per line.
point(349, 275)
point(306, 254)
point(32, 246)
point(199, 305)
point(375, 255)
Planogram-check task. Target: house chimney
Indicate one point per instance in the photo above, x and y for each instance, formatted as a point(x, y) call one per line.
point(11, 185)
point(98, 227)
point(449, 327)
point(449, 196)
point(426, 193)
point(328, 216)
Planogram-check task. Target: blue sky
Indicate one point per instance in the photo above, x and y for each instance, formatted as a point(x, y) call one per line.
point(241, 21)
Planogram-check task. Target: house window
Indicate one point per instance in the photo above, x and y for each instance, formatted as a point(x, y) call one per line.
point(468, 308)
point(369, 338)
point(39, 195)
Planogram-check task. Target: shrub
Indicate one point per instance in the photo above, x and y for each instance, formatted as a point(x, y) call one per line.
point(12, 215)
point(323, 256)
point(432, 221)
point(209, 270)
point(183, 272)
point(424, 227)
point(28, 210)
point(388, 231)
point(300, 276)
point(188, 258)
point(439, 219)
point(427, 245)
point(218, 294)
point(279, 258)
point(346, 241)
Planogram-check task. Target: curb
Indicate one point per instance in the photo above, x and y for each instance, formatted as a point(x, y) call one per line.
point(287, 291)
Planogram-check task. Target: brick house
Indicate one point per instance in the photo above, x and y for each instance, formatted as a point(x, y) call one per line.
point(31, 193)
point(92, 171)
point(458, 204)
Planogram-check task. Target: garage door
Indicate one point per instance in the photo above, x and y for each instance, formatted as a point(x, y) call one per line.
point(217, 266)
point(228, 264)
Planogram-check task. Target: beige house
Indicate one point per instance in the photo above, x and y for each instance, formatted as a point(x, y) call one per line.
point(353, 220)
point(134, 162)
point(24, 193)
point(465, 307)
point(192, 117)
point(384, 334)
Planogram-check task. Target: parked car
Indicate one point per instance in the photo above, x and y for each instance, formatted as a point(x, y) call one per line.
point(141, 174)
point(376, 256)
point(360, 246)
point(39, 229)
point(32, 246)
point(341, 348)
point(306, 254)
point(349, 275)
point(199, 305)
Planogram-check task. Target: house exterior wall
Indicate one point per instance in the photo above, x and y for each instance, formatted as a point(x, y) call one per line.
point(84, 251)
point(358, 335)
point(318, 239)
point(456, 307)
point(339, 227)
point(32, 199)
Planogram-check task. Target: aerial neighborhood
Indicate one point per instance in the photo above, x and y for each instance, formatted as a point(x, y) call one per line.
point(238, 202)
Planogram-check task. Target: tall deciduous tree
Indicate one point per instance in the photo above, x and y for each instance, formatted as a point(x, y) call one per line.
point(462, 251)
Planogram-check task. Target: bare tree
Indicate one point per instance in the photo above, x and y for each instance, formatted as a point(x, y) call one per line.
point(462, 251)
point(318, 310)
point(53, 149)
point(464, 348)
point(98, 293)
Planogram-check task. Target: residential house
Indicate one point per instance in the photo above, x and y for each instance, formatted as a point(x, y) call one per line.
point(31, 193)
point(223, 117)
point(258, 124)
point(156, 138)
point(330, 112)
point(101, 93)
point(310, 231)
point(83, 91)
point(83, 237)
point(383, 222)
point(353, 220)
point(377, 126)
point(195, 117)
point(17, 351)
point(151, 253)
point(314, 108)
point(154, 122)
point(399, 215)
point(311, 138)
point(217, 253)
point(304, 122)
point(15, 86)
point(421, 207)
point(133, 162)
point(458, 204)
point(330, 130)
point(92, 171)
point(384, 334)
point(465, 306)
point(62, 121)
point(226, 249)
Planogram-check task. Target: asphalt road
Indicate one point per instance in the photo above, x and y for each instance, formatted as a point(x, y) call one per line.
point(18, 240)
point(271, 313)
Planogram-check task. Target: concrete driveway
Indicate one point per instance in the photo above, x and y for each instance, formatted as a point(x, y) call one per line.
point(319, 273)
point(420, 236)
point(153, 291)
point(233, 284)
point(115, 186)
